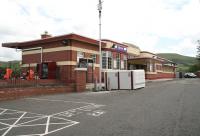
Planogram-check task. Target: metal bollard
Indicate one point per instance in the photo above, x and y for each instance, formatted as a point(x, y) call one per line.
point(109, 88)
point(95, 85)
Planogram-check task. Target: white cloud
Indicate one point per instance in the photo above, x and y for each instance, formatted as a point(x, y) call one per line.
point(142, 22)
point(7, 54)
point(185, 47)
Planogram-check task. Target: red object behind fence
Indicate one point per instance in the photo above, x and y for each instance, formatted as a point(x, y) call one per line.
point(8, 73)
point(30, 75)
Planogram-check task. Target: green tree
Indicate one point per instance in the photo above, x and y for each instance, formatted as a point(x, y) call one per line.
point(194, 68)
point(197, 66)
point(198, 52)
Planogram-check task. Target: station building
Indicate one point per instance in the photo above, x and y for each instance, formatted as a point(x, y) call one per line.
point(57, 57)
point(114, 55)
point(155, 67)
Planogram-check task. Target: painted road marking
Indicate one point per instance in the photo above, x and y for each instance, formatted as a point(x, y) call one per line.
point(11, 126)
point(12, 121)
point(33, 122)
point(96, 113)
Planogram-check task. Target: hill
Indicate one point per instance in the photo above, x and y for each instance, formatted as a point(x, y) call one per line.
point(183, 62)
point(179, 59)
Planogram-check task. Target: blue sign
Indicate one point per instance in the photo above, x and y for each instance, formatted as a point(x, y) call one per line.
point(119, 48)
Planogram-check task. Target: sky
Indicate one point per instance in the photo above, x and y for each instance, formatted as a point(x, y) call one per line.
point(157, 26)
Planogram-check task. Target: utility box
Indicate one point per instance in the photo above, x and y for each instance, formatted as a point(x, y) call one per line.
point(125, 79)
point(112, 80)
point(138, 79)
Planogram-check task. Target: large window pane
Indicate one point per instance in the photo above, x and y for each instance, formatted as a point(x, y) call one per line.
point(104, 62)
point(118, 61)
point(80, 55)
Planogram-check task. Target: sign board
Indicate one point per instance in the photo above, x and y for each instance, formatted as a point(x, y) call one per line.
point(119, 48)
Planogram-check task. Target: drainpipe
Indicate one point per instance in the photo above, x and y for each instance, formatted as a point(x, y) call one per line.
point(37, 48)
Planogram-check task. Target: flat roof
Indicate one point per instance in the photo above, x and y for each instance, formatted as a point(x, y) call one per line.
point(20, 45)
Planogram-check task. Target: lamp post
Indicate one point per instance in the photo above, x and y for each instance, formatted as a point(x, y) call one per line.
point(100, 58)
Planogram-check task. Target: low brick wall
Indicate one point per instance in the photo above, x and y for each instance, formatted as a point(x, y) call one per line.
point(14, 93)
point(80, 81)
point(159, 76)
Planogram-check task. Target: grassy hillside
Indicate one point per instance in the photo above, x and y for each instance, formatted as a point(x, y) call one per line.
point(179, 59)
point(184, 62)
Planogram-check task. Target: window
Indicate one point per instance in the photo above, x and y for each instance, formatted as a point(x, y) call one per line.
point(151, 67)
point(104, 60)
point(94, 57)
point(109, 63)
point(80, 55)
point(122, 64)
point(125, 62)
point(118, 60)
point(107, 60)
point(114, 63)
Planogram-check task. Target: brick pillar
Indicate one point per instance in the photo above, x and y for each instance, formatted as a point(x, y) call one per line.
point(80, 77)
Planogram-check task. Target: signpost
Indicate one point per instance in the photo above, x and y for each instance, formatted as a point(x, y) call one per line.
point(100, 58)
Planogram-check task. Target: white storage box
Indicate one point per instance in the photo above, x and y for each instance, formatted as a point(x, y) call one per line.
point(138, 79)
point(112, 80)
point(125, 79)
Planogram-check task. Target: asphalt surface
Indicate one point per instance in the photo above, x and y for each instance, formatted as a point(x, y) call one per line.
point(168, 108)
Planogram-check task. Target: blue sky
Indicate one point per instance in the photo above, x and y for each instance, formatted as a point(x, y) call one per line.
point(153, 25)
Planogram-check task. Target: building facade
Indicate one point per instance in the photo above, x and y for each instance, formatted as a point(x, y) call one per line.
point(114, 55)
point(155, 67)
point(57, 57)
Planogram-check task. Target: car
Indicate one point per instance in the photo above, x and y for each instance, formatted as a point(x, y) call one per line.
point(190, 75)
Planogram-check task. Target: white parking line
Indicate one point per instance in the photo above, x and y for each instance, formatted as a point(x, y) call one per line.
point(29, 119)
point(83, 108)
point(4, 128)
point(4, 124)
point(47, 126)
point(3, 111)
point(23, 118)
point(33, 122)
point(13, 124)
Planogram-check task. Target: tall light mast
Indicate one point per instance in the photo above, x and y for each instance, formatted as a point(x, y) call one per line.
point(100, 55)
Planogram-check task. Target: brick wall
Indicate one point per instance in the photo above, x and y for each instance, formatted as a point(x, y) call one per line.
point(159, 76)
point(66, 72)
point(80, 81)
point(13, 93)
point(84, 45)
